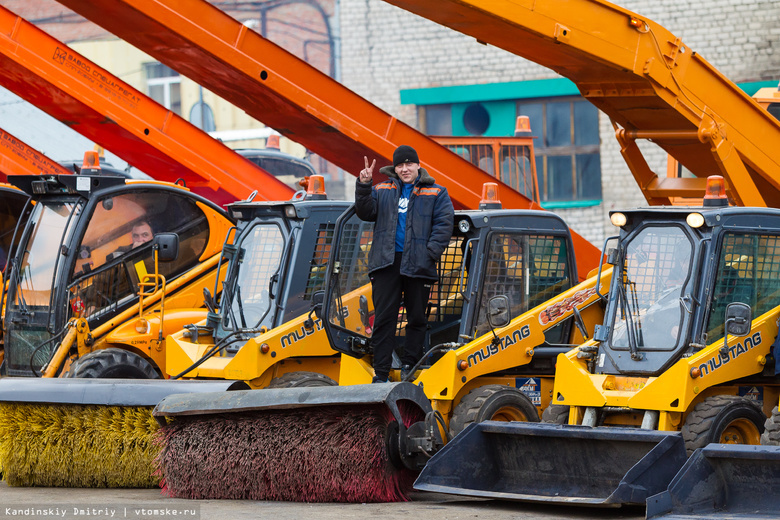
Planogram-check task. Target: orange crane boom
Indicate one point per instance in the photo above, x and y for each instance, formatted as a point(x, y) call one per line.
point(103, 108)
point(645, 79)
point(18, 158)
point(208, 46)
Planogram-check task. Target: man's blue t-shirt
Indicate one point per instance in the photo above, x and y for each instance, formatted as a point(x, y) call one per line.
point(403, 203)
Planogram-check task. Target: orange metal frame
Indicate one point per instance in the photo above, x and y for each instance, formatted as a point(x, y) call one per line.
point(482, 147)
point(205, 44)
point(645, 79)
point(18, 158)
point(110, 112)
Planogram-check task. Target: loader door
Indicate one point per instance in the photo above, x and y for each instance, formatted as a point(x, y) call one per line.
point(348, 306)
point(648, 300)
point(31, 317)
point(251, 296)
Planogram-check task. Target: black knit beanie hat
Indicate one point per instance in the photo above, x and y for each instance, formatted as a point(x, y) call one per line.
point(404, 154)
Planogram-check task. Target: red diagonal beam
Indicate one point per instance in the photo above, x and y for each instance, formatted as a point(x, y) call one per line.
point(108, 111)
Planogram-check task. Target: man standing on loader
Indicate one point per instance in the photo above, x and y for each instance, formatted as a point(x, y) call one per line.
point(413, 224)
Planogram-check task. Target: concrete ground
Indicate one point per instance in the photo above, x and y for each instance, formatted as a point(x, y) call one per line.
point(99, 504)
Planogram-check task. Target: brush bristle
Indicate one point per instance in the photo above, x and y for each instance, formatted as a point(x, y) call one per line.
point(77, 446)
point(329, 454)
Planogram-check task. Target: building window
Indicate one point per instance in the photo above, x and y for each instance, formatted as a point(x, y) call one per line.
point(437, 119)
point(164, 86)
point(566, 147)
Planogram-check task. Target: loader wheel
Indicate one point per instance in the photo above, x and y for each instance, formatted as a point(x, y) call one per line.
point(556, 414)
point(725, 419)
point(112, 362)
point(300, 379)
point(492, 403)
point(771, 435)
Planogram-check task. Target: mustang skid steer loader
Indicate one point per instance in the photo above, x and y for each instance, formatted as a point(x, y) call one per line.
point(262, 331)
point(691, 316)
point(500, 263)
point(90, 247)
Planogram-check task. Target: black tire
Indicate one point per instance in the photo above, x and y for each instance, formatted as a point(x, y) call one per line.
point(492, 402)
point(556, 414)
point(112, 362)
point(301, 379)
point(771, 435)
point(723, 419)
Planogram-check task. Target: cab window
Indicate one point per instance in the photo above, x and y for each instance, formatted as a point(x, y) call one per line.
point(116, 249)
point(747, 273)
point(529, 269)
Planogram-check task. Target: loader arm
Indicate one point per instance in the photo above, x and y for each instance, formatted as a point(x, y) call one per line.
point(273, 86)
point(108, 111)
point(645, 79)
point(259, 355)
point(517, 341)
point(676, 389)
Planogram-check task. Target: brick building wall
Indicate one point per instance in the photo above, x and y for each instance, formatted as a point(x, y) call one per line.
point(386, 49)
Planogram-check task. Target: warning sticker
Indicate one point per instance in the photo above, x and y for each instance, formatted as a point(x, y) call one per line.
point(754, 393)
point(531, 387)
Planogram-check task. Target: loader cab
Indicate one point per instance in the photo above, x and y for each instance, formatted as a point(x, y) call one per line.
point(676, 270)
point(86, 247)
point(278, 255)
point(526, 256)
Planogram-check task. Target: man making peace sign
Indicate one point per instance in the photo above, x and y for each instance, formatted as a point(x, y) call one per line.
point(413, 224)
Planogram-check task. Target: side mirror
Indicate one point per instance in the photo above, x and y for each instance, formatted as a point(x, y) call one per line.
point(317, 299)
point(167, 246)
point(738, 319)
point(498, 311)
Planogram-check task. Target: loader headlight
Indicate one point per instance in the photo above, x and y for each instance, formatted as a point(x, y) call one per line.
point(464, 226)
point(290, 212)
point(695, 220)
point(618, 219)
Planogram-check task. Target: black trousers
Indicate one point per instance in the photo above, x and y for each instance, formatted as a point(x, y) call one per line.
point(389, 286)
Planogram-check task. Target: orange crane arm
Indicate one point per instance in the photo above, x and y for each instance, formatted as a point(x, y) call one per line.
point(103, 108)
point(645, 79)
point(18, 158)
point(207, 45)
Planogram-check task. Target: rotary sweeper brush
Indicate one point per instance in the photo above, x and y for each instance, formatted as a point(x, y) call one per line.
point(97, 433)
point(363, 443)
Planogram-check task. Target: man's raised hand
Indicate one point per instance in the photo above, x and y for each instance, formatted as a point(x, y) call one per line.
point(367, 174)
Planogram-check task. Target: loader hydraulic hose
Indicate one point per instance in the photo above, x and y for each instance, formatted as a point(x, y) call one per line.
point(437, 348)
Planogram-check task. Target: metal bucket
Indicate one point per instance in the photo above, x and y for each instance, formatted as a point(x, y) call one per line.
point(723, 481)
point(554, 463)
